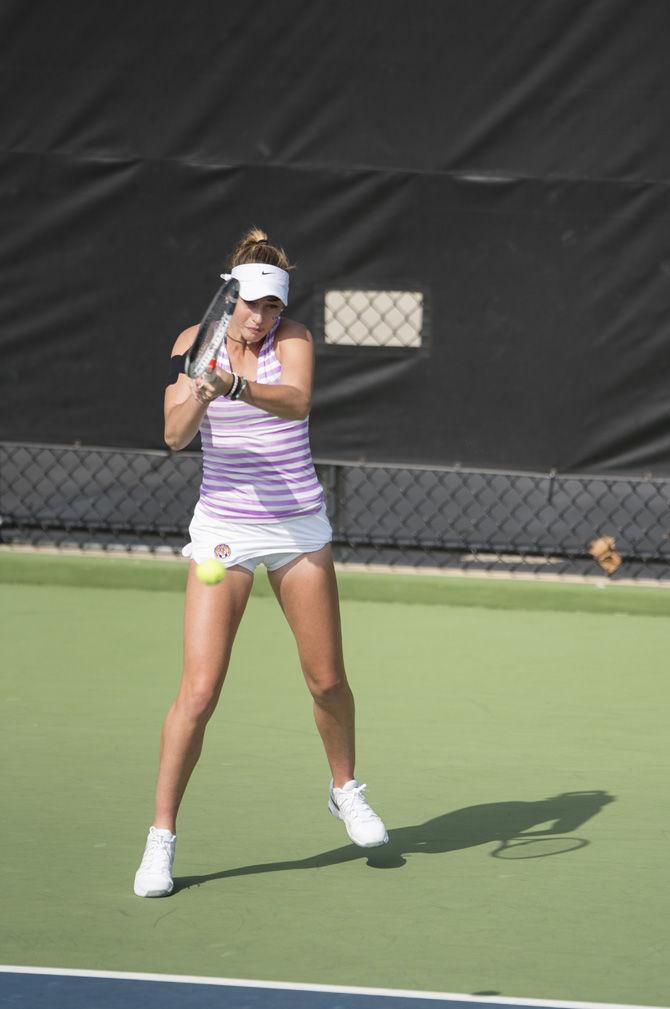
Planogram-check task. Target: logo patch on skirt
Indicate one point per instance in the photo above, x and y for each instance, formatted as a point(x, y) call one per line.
point(222, 550)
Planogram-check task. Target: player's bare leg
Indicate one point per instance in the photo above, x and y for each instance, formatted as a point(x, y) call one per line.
point(307, 592)
point(212, 615)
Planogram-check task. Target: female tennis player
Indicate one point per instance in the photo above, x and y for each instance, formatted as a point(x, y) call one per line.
point(260, 503)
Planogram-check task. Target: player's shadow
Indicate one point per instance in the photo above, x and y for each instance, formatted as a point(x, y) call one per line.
point(501, 822)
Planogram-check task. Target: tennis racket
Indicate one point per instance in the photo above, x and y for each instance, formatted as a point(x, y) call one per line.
point(201, 358)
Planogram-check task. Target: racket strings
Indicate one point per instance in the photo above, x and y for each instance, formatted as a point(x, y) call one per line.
point(212, 331)
point(206, 354)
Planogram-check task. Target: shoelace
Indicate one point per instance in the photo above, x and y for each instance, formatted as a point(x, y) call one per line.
point(158, 852)
point(353, 803)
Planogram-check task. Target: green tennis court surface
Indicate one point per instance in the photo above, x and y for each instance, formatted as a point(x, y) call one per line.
point(517, 750)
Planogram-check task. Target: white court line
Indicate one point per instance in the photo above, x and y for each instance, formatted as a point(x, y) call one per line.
point(144, 554)
point(233, 982)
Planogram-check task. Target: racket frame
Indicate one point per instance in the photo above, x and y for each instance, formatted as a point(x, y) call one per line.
point(200, 359)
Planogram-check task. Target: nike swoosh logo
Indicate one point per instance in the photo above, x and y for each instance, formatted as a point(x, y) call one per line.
point(265, 272)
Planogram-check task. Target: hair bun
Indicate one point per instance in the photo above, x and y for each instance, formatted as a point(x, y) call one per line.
point(255, 247)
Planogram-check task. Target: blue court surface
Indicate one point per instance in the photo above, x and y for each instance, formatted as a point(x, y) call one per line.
point(44, 988)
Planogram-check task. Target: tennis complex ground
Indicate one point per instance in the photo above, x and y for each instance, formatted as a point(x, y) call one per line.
point(512, 734)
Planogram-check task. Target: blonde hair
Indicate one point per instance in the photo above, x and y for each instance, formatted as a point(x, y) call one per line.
point(256, 247)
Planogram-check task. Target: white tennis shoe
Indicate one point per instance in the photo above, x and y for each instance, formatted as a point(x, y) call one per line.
point(154, 876)
point(363, 825)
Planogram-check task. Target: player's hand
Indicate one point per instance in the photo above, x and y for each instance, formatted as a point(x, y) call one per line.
point(211, 385)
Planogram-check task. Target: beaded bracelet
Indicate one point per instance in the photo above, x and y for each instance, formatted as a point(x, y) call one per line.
point(234, 387)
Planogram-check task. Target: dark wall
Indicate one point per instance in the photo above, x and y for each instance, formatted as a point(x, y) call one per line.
point(511, 159)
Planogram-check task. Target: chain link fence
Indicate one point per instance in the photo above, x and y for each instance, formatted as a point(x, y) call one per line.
point(473, 520)
point(373, 318)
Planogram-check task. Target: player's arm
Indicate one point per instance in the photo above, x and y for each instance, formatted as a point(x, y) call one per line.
point(292, 397)
point(183, 410)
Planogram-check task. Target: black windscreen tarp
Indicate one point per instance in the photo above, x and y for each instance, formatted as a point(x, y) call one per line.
point(512, 163)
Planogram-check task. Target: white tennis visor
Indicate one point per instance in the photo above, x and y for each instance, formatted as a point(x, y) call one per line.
point(259, 280)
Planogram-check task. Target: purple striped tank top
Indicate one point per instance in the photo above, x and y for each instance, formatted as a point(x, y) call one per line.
point(255, 465)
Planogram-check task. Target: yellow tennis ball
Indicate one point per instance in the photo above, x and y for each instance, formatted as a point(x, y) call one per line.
point(210, 572)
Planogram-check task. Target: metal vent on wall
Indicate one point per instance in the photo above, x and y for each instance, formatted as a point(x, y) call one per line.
point(373, 318)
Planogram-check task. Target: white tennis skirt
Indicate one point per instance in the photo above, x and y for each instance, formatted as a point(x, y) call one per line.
point(273, 543)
